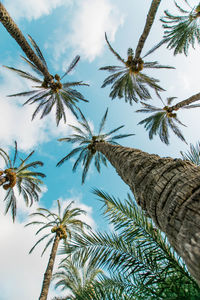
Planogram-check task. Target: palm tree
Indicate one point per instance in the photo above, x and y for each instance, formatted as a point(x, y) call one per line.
point(128, 81)
point(87, 141)
point(50, 94)
point(193, 154)
point(21, 178)
point(62, 228)
point(78, 278)
point(16, 33)
point(166, 117)
point(166, 188)
point(137, 255)
point(180, 31)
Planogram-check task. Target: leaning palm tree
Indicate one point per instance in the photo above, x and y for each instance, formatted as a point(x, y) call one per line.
point(180, 31)
point(167, 189)
point(47, 95)
point(137, 255)
point(63, 226)
point(87, 140)
point(18, 176)
point(128, 80)
point(76, 278)
point(166, 117)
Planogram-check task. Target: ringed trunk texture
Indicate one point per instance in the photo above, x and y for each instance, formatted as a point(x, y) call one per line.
point(49, 270)
point(16, 33)
point(169, 191)
point(185, 102)
point(149, 21)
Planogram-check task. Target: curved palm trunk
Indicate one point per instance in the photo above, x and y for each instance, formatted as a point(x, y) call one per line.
point(185, 102)
point(16, 33)
point(148, 24)
point(49, 270)
point(169, 191)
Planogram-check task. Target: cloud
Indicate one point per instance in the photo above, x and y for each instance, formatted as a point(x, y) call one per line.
point(32, 9)
point(21, 274)
point(91, 20)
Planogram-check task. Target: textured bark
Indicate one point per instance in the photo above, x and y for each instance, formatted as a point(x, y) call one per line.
point(49, 270)
point(169, 191)
point(16, 33)
point(185, 102)
point(148, 24)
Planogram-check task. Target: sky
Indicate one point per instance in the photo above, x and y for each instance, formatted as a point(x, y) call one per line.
point(64, 29)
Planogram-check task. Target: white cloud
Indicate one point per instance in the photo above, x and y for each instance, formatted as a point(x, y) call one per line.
point(21, 274)
point(32, 9)
point(91, 20)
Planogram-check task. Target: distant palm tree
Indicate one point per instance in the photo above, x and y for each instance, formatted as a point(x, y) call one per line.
point(22, 177)
point(87, 139)
point(78, 278)
point(164, 118)
point(180, 31)
point(50, 94)
point(128, 81)
point(63, 226)
point(137, 255)
point(193, 154)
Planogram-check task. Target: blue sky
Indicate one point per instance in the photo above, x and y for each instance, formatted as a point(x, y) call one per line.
point(63, 29)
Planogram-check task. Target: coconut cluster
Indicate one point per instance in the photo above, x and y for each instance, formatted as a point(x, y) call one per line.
point(134, 65)
point(60, 231)
point(11, 178)
point(170, 113)
point(55, 84)
point(93, 143)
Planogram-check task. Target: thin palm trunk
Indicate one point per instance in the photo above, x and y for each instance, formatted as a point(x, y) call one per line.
point(169, 191)
point(148, 24)
point(185, 102)
point(49, 270)
point(16, 33)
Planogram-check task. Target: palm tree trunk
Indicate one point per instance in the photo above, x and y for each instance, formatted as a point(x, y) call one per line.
point(185, 102)
point(147, 27)
point(169, 191)
point(49, 270)
point(16, 33)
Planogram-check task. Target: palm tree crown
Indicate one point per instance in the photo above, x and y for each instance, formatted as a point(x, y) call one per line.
point(22, 177)
point(128, 81)
point(180, 31)
point(87, 139)
point(193, 154)
point(76, 277)
point(50, 93)
point(62, 225)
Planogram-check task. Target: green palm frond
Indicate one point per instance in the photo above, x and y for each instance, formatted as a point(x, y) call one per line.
point(21, 179)
point(46, 94)
point(193, 154)
point(161, 120)
point(63, 225)
point(141, 262)
point(127, 81)
point(180, 31)
point(85, 141)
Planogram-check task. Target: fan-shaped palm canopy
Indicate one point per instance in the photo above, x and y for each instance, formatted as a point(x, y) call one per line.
point(137, 254)
point(128, 80)
point(19, 175)
point(180, 31)
point(61, 224)
point(193, 154)
point(49, 94)
point(78, 278)
point(86, 140)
